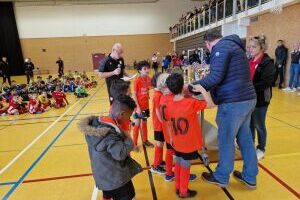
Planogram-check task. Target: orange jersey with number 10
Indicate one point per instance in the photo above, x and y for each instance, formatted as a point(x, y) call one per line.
point(186, 131)
point(164, 102)
point(155, 103)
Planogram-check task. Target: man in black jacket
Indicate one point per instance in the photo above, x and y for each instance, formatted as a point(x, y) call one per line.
point(112, 67)
point(5, 70)
point(281, 54)
point(29, 67)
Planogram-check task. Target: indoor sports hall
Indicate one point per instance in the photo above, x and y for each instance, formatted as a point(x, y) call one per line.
point(149, 99)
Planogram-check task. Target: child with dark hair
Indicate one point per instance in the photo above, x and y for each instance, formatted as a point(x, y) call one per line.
point(157, 127)
point(142, 85)
point(183, 113)
point(60, 99)
point(118, 87)
point(35, 105)
point(109, 149)
point(33, 88)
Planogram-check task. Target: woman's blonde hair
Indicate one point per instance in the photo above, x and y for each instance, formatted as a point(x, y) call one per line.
point(260, 40)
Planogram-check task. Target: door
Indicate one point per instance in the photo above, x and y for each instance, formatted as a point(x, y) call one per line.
point(97, 57)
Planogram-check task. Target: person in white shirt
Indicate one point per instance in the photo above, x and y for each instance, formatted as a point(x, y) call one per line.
point(155, 63)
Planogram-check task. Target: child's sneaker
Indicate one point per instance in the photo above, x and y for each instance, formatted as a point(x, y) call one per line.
point(193, 177)
point(239, 177)
point(260, 154)
point(169, 178)
point(158, 170)
point(148, 144)
point(189, 194)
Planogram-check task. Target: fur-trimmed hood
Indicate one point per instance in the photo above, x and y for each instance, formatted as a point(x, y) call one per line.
point(92, 126)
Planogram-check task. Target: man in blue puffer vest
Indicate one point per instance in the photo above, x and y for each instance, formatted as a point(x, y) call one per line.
point(232, 90)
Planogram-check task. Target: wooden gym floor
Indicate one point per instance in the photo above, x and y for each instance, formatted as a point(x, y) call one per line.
point(45, 156)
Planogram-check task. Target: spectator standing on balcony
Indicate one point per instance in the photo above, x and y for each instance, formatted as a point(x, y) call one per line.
point(232, 90)
point(212, 5)
point(281, 54)
point(242, 5)
point(262, 72)
point(294, 69)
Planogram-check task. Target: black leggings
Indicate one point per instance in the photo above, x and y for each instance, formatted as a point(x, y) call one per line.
point(29, 76)
point(6, 77)
point(126, 192)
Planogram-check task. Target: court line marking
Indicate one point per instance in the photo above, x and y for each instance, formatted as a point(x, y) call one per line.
point(14, 187)
point(284, 122)
point(36, 139)
point(37, 118)
point(44, 122)
point(284, 184)
point(55, 146)
point(82, 175)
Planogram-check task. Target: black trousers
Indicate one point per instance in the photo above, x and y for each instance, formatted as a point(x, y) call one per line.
point(279, 72)
point(29, 75)
point(6, 77)
point(126, 192)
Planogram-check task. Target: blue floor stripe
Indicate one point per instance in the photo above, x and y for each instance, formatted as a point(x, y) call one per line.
point(14, 187)
point(7, 183)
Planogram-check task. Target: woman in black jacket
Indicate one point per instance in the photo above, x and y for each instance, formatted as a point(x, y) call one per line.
point(262, 71)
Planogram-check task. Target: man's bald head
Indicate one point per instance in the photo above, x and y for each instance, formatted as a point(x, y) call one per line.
point(117, 51)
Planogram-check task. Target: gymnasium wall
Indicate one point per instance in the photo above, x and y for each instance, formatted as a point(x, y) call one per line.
point(77, 51)
point(192, 42)
point(285, 26)
point(74, 32)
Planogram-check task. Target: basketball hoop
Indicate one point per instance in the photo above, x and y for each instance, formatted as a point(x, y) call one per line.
point(277, 7)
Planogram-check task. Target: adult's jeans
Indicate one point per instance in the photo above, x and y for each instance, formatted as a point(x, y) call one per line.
point(233, 120)
point(294, 75)
point(258, 123)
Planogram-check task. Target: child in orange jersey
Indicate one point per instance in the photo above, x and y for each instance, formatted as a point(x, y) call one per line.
point(165, 123)
point(186, 136)
point(158, 163)
point(142, 85)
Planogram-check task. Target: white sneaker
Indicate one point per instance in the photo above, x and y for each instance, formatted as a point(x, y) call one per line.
point(260, 154)
point(298, 88)
point(298, 94)
point(291, 90)
point(286, 89)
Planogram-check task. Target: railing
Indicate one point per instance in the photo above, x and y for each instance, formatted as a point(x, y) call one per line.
point(215, 13)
